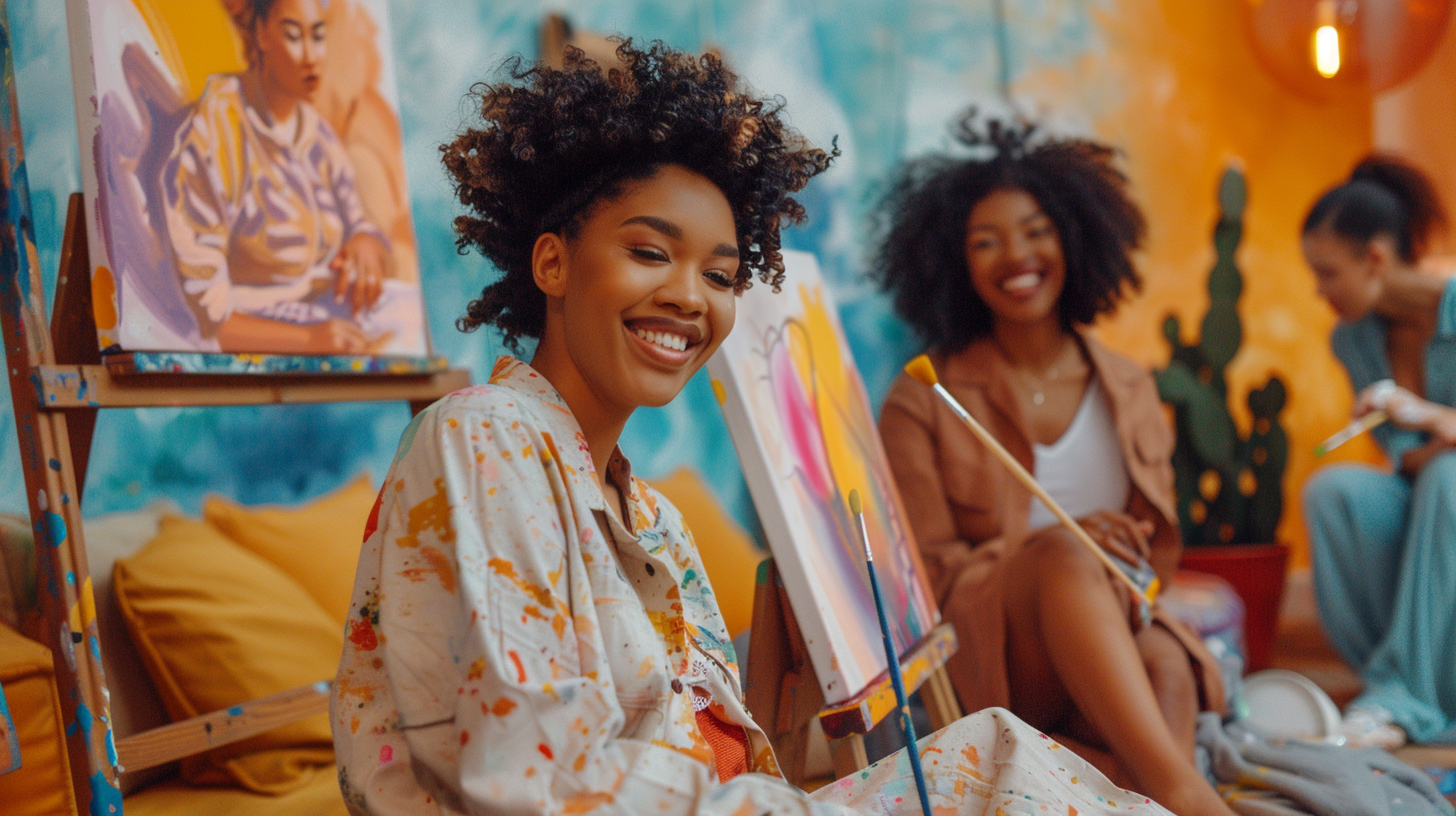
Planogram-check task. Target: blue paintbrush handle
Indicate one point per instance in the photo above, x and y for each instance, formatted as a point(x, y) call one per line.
point(893, 662)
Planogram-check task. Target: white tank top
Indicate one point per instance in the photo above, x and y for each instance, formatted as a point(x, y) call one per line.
point(1083, 470)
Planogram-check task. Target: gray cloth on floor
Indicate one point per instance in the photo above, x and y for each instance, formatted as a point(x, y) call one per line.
point(1290, 778)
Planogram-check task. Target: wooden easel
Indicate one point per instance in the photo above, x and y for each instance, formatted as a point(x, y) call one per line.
point(58, 384)
point(784, 695)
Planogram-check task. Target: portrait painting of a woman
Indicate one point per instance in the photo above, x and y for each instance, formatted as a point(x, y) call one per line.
point(265, 239)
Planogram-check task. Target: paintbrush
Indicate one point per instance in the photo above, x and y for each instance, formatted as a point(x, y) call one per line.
point(892, 660)
point(921, 369)
point(1351, 431)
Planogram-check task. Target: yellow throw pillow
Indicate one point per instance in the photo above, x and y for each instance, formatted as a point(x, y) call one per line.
point(42, 786)
point(316, 543)
point(729, 556)
point(217, 626)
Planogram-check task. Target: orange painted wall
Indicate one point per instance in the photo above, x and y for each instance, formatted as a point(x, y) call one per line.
point(1418, 121)
point(1177, 85)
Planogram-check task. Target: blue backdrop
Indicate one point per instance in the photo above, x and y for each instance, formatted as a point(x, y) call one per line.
point(884, 77)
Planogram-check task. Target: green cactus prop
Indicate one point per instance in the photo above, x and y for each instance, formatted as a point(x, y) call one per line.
point(1230, 489)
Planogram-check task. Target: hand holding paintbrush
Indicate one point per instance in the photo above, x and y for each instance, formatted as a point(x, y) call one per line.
point(1142, 581)
point(1385, 401)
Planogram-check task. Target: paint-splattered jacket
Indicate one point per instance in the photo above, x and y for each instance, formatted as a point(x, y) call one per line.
point(502, 657)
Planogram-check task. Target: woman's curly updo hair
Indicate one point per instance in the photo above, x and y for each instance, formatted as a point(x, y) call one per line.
point(553, 143)
point(921, 255)
point(1385, 196)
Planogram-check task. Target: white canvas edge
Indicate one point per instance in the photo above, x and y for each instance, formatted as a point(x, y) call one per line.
point(88, 126)
point(771, 513)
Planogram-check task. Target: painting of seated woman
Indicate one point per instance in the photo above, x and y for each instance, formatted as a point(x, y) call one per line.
point(245, 189)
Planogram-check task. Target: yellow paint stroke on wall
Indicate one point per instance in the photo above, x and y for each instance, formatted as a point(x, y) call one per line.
point(1177, 86)
point(195, 38)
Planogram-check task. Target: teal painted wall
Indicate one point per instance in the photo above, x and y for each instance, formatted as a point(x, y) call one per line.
point(884, 77)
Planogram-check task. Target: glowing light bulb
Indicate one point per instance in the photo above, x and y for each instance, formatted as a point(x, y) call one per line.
point(1327, 51)
point(1326, 40)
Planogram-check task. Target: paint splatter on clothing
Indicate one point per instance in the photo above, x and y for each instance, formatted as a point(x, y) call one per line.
point(504, 657)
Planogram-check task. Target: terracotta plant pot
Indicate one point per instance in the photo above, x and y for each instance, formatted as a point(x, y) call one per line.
point(1256, 572)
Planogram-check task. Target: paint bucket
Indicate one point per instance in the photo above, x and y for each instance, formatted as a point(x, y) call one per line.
point(1256, 572)
point(1286, 705)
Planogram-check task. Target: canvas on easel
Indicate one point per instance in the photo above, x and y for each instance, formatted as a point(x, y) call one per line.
point(244, 177)
point(59, 382)
point(805, 434)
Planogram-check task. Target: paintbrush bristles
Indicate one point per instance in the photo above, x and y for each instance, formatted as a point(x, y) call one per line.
point(854, 504)
point(921, 369)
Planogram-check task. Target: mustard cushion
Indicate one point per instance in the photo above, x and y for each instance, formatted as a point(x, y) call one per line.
point(317, 543)
point(729, 555)
point(319, 795)
point(42, 786)
point(216, 626)
point(17, 570)
point(135, 706)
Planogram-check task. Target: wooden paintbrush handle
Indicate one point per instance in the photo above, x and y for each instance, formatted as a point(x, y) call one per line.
point(1031, 484)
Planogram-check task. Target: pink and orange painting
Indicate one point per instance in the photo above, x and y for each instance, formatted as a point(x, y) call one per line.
point(244, 176)
point(805, 435)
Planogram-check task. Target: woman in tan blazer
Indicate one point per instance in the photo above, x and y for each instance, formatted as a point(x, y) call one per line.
point(1000, 263)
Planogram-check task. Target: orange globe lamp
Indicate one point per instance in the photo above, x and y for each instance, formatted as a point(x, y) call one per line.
point(1338, 49)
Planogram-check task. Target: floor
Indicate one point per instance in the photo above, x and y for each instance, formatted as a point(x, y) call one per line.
point(1301, 646)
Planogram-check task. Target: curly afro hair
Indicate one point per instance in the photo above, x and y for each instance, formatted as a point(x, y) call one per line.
point(921, 254)
point(553, 143)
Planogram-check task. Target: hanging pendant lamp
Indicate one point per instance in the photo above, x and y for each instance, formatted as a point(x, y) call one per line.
point(1338, 49)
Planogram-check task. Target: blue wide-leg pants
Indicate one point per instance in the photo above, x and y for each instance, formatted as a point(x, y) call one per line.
point(1384, 553)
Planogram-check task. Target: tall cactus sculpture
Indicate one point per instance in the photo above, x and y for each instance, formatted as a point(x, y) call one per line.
point(1230, 489)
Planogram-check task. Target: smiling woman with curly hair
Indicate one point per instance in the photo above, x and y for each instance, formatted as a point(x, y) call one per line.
point(562, 141)
point(531, 629)
point(1000, 261)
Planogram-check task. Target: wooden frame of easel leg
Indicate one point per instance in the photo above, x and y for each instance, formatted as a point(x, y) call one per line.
point(57, 385)
point(58, 391)
point(62, 399)
point(784, 696)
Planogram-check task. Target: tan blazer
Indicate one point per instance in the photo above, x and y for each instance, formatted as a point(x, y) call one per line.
point(970, 515)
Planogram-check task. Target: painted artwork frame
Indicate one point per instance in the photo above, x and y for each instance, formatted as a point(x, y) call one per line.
point(805, 435)
point(244, 185)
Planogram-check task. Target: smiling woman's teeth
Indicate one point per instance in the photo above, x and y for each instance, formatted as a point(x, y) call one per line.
point(1021, 282)
point(667, 340)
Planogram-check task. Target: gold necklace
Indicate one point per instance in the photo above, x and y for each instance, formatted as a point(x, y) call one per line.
point(1038, 390)
point(1038, 396)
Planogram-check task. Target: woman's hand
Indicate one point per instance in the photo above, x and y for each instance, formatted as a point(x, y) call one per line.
point(1404, 408)
point(1443, 427)
point(1119, 534)
point(336, 337)
point(1413, 461)
point(1375, 396)
point(359, 271)
point(1407, 410)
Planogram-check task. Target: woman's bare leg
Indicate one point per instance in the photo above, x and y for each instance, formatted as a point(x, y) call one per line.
point(1070, 649)
point(1174, 685)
